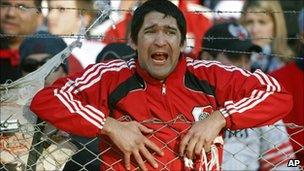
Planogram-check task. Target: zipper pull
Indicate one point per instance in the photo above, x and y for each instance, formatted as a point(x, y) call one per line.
point(164, 89)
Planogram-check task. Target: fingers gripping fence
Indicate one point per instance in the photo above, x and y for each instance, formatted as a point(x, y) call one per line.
point(168, 144)
point(52, 149)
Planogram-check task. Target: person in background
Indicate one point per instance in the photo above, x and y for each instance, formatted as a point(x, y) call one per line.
point(18, 18)
point(233, 49)
point(253, 148)
point(35, 51)
point(291, 77)
point(265, 20)
point(160, 85)
point(68, 18)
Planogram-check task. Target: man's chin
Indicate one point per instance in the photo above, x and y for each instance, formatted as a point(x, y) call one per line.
point(160, 75)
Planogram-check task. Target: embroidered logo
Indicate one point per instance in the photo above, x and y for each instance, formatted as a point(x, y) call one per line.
point(200, 113)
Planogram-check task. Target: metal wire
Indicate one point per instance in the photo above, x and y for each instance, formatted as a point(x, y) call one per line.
point(102, 36)
point(99, 38)
point(57, 150)
point(190, 11)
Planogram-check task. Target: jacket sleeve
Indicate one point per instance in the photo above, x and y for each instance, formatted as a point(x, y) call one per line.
point(248, 99)
point(76, 104)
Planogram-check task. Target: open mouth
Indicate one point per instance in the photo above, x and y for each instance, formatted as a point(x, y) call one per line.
point(159, 57)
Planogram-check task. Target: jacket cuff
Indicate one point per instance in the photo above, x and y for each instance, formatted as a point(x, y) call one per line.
point(227, 117)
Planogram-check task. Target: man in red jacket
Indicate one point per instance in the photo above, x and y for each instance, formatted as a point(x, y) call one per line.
point(178, 105)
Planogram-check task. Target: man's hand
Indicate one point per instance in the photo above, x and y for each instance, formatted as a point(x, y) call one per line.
point(202, 134)
point(129, 139)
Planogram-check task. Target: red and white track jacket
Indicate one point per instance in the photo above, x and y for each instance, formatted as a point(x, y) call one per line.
point(80, 104)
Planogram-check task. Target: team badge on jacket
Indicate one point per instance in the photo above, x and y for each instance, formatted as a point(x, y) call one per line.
point(200, 113)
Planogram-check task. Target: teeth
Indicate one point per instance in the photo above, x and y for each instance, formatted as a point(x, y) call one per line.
point(159, 57)
point(160, 54)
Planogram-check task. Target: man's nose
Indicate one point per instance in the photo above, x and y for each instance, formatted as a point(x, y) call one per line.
point(160, 39)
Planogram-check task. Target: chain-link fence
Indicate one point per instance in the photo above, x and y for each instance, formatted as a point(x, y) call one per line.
point(42, 147)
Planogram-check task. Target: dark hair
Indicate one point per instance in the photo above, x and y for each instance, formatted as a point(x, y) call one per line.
point(163, 6)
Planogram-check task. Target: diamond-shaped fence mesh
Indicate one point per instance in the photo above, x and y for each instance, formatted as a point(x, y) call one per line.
point(42, 147)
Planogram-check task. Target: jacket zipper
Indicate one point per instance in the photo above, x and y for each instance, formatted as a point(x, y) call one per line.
point(164, 89)
point(166, 100)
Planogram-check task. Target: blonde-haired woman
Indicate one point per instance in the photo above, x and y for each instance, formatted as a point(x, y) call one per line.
point(265, 22)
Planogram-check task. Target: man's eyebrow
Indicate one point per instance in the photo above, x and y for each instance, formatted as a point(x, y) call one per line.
point(171, 28)
point(150, 27)
point(166, 26)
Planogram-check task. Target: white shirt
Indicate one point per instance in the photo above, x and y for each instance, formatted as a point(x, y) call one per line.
point(245, 149)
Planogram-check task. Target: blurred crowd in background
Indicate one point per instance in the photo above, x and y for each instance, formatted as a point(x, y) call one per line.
point(256, 34)
point(273, 26)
